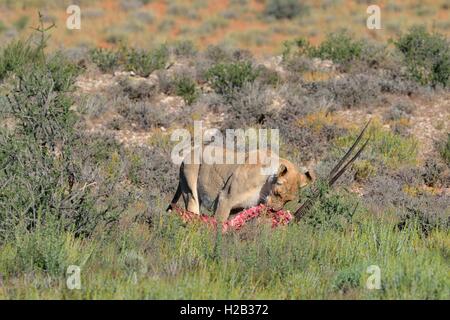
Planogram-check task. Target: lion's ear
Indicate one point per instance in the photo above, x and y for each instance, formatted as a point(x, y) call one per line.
point(282, 170)
point(310, 176)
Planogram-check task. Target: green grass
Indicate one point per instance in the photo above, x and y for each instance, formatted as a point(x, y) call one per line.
point(391, 148)
point(175, 262)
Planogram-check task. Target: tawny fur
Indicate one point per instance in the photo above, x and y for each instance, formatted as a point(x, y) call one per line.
point(228, 187)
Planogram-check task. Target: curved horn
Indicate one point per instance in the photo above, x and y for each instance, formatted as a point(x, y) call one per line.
point(334, 174)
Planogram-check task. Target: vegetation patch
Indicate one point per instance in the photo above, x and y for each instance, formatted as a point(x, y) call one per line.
point(284, 9)
point(427, 56)
point(227, 78)
point(392, 149)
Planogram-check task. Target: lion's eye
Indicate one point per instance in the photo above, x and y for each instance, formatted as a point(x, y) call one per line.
point(279, 183)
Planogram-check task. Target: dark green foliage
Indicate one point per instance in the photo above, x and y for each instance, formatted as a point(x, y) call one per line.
point(433, 173)
point(63, 72)
point(348, 53)
point(40, 173)
point(284, 9)
point(106, 60)
point(187, 88)
point(144, 62)
point(17, 55)
point(2, 26)
point(347, 279)
point(227, 78)
point(21, 23)
point(338, 47)
point(427, 56)
point(184, 48)
point(445, 150)
point(36, 156)
point(333, 209)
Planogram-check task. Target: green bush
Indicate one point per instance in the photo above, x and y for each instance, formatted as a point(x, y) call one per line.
point(284, 9)
point(16, 55)
point(2, 26)
point(43, 250)
point(186, 87)
point(184, 48)
point(42, 172)
point(21, 23)
point(38, 152)
point(339, 47)
point(333, 210)
point(63, 72)
point(445, 150)
point(347, 279)
point(139, 61)
point(144, 62)
point(226, 78)
point(426, 55)
point(106, 60)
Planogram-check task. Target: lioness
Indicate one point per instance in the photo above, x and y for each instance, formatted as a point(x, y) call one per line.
point(227, 188)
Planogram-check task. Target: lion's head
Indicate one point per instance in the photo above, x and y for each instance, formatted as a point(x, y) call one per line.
point(286, 183)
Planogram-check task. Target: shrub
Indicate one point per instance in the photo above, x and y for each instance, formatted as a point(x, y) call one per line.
point(363, 170)
point(249, 107)
point(432, 172)
point(144, 62)
point(41, 177)
point(338, 47)
point(284, 9)
point(138, 88)
point(143, 114)
point(399, 110)
point(141, 169)
point(38, 154)
point(187, 89)
point(217, 54)
point(352, 90)
point(15, 56)
point(106, 60)
point(333, 210)
point(268, 76)
point(2, 27)
point(427, 56)
point(63, 72)
point(45, 249)
point(425, 213)
point(21, 23)
point(445, 150)
point(184, 48)
point(227, 78)
point(347, 279)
